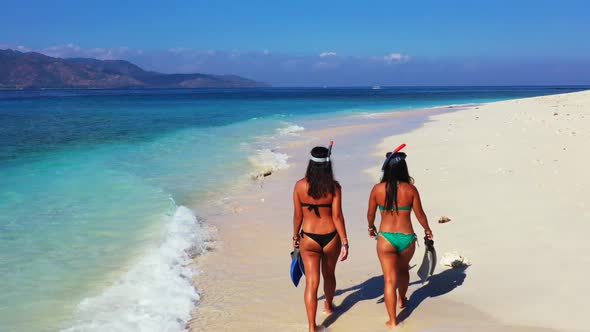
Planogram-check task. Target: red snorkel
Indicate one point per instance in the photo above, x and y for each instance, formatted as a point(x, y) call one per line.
point(399, 148)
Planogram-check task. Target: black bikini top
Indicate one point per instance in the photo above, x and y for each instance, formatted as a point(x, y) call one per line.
point(316, 207)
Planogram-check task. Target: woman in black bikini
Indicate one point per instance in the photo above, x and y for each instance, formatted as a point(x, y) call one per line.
point(317, 199)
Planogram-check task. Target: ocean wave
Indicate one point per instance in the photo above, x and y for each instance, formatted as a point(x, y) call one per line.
point(266, 161)
point(157, 294)
point(290, 130)
point(366, 115)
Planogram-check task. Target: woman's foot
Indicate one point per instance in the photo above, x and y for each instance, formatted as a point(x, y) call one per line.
point(328, 307)
point(316, 329)
point(392, 324)
point(402, 302)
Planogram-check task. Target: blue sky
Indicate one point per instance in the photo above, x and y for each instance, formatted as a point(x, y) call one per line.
point(319, 42)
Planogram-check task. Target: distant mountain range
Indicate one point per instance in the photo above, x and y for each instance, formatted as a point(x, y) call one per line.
point(33, 70)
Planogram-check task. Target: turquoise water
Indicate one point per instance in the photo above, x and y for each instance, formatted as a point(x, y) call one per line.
point(94, 233)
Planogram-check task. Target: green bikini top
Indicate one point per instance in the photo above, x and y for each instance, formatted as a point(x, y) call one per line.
point(399, 208)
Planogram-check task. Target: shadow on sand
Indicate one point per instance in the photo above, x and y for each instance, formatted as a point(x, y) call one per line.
point(438, 284)
point(370, 289)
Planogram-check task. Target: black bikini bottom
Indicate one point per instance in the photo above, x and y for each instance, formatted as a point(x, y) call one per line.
point(321, 239)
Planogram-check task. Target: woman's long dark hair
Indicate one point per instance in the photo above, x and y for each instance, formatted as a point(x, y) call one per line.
point(395, 169)
point(319, 175)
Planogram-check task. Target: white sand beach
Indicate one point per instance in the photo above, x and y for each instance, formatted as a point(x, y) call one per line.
point(511, 177)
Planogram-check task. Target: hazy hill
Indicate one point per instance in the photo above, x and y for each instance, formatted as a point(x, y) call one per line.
point(33, 70)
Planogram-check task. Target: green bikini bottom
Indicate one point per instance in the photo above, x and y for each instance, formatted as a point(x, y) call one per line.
point(400, 241)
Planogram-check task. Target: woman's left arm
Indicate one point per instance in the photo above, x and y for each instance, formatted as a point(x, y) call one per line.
point(371, 212)
point(297, 217)
point(338, 218)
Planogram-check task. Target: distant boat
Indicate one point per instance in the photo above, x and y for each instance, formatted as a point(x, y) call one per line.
point(376, 87)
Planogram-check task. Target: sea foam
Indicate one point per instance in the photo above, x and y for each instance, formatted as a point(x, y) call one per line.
point(266, 161)
point(290, 130)
point(157, 293)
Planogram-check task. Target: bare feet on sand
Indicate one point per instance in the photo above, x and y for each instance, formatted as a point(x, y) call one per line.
point(392, 324)
point(317, 329)
point(328, 307)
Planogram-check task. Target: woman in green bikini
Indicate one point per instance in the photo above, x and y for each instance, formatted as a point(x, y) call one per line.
point(395, 197)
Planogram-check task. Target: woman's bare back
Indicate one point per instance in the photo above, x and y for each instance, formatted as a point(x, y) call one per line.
point(396, 221)
point(311, 207)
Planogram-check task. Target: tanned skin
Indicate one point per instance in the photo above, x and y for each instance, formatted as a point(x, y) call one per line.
point(315, 259)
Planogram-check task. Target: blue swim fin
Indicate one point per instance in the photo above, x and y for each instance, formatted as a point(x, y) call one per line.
point(296, 269)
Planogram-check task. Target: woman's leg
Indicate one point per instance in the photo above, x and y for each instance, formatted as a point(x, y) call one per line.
point(311, 255)
point(329, 260)
point(389, 262)
point(403, 273)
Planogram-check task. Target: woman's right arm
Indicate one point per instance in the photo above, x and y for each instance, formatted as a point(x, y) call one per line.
point(338, 218)
point(297, 217)
point(420, 215)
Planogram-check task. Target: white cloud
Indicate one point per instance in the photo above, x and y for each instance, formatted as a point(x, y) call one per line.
point(395, 58)
point(22, 48)
point(327, 54)
point(188, 59)
point(75, 51)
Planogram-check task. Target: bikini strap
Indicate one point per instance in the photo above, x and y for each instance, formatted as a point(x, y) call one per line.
point(315, 207)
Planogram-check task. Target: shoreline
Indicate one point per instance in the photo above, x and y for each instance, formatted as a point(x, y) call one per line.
point(214, 197)
point(242, 284)
point(251, 203)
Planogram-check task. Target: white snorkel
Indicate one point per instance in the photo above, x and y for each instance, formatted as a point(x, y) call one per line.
point(330, 150)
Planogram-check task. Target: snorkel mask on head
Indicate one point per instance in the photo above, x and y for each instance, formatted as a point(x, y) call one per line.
point(391, 158)
point(325, 159)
